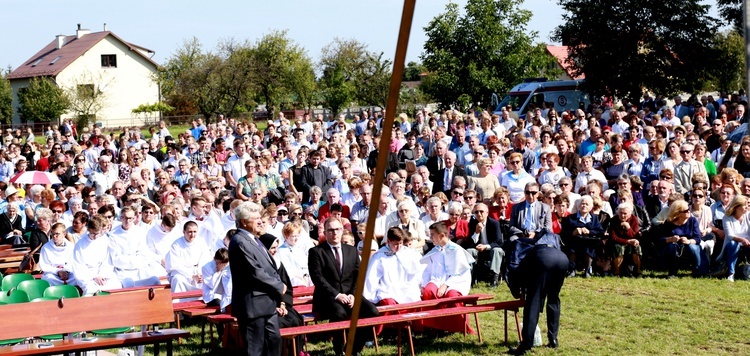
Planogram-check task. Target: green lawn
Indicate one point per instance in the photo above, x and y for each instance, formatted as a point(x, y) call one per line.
point(601, 316)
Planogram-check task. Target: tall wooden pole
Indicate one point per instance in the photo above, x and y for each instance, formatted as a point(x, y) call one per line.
point(384, 149)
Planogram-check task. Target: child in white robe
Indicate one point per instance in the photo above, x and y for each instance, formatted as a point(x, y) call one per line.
point(217, 280)
point(56, 258)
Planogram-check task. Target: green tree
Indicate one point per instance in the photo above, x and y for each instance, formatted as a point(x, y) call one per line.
point(729, 69)
point(42, 100)
point(282, 69)
point(374, 81)
point(6, 100)
point(412, 72)
point(363, 76)
point(662, 46)
point(731, 11)
point(337, 92)
point(487, 50)
point(190, 80)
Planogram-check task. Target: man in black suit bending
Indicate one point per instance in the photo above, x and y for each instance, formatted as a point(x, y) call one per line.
point(333, 269)
point(257, 288)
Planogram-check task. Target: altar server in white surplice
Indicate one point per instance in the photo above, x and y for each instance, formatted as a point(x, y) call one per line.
point(185, 259)
point(56, 258)
point(217, 280)
point(92, 264)
point(130, 256)
point(292, 253)
point(394, 271)
point(159, 240)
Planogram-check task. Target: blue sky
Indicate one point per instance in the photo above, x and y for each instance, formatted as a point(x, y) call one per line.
point(162, 25)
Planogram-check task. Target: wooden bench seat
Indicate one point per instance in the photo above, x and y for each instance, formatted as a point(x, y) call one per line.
point(71, 315)
point(302, 291)
point(402, 319)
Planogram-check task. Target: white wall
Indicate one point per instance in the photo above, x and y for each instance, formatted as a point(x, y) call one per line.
point(125, 87)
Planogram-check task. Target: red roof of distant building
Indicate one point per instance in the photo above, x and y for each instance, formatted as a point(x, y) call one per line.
point(561, 53)
point(50, 61)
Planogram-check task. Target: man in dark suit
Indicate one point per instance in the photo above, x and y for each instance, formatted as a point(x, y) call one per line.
point(530, 216)
point(257, 288)
point(541, 274)
point(437, 162)
point(372, 158)
point(444, 177)
point(333, 269)
point(486, 243)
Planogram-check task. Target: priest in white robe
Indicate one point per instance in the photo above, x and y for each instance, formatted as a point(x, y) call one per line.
point(185, 259)
point(92, 264)
point(56, 258)
point(293, 252)
point(130, 256)
point(159, 240)
point(217, 280)
point(447, 274)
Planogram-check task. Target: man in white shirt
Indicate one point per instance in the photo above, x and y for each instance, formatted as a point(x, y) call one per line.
point(105, 177)
point(185, 258)
point(210, 227)
point(235, 167)
point(130, 256)
point(92, 264)
point(587, 174)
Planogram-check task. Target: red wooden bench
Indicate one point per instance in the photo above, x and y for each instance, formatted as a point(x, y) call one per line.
point(399, 319)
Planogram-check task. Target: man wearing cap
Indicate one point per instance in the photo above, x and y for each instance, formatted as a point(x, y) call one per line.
point(105, 177)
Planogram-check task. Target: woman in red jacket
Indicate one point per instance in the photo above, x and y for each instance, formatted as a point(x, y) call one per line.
point(459, 229)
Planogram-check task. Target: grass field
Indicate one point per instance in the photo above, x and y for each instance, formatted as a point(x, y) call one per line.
point(601, 316)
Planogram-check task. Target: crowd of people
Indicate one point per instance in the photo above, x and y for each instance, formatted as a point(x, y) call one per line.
point(624, 186)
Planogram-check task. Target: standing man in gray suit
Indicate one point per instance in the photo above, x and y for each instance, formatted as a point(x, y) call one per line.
point(530, 216)
point(257, 288)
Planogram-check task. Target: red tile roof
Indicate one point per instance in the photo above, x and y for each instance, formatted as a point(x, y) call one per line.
point(46, 65)
point(561, 53)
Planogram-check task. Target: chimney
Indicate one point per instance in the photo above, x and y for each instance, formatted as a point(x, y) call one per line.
point(81, 32)
point(105, 27)
point(60, 41)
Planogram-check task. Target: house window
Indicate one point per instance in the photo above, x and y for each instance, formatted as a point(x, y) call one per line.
point(109, 60)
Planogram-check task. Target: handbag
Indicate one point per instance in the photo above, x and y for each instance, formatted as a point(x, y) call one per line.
point(28, 264)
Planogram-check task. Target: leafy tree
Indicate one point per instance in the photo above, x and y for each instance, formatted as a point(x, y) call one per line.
point(486, 50)
point(282, 69)
point(655, 45)
point(364, 76)
point(336, 90)
point(190, 80)
point(86, 96)
point(731, 11)
point(149, 109)
point(42, 100)
point(6, 100)
point(729, 69)
point(412, 72)
point(373, 82)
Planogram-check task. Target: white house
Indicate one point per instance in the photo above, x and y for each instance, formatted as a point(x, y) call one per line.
point(122, 71)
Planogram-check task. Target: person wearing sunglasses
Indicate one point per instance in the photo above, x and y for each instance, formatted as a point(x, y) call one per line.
point(685, 170)
point(530, 216)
